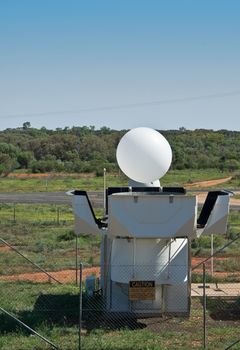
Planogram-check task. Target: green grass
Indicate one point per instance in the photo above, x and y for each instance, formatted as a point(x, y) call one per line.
point(52, 310)
point(183, 177)
point(63, 183)
point(65, 337)
point(121, 340)
point(94, 183)
point(39, 236)
point(40, 213)
point(232, 265)
point(234, 217)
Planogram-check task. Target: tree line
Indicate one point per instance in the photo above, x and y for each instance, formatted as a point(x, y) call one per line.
point(86, 149)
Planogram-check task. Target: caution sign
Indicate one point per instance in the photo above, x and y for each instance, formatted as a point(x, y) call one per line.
point(141, 290)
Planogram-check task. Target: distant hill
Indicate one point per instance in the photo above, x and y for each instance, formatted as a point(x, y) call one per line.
point(85, 149)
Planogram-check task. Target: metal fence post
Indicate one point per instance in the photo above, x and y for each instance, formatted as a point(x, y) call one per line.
point(104, 191)
point(58, 216)
point(204, 308)
point(14, 213)
point(76, 259)
point(80, 309)
point(211, 254)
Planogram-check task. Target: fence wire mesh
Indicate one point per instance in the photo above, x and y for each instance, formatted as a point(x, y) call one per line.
point(38, 277)
point(173, 320)
point(169, 315)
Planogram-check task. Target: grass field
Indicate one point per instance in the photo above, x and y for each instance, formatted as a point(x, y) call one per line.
point(52, 310)
point(49, 245)
point(65, 182)
point(45, 234)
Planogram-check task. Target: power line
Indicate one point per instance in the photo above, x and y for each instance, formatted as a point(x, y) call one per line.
point(126, 106)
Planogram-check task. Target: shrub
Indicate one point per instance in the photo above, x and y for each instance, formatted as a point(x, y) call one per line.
point(66, 236)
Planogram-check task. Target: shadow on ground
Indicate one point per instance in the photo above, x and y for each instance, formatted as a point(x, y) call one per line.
point(221, 309)
point(49, 309)
point(63, 311)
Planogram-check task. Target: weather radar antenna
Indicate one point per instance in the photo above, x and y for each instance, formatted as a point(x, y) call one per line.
point(147, 231)
point(144, 155)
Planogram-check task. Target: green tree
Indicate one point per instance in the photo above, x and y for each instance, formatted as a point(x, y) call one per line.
point(25, 158)
point(7, 164)
point(26, 125)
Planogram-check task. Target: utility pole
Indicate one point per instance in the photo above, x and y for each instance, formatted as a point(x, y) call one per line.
point(104, 191)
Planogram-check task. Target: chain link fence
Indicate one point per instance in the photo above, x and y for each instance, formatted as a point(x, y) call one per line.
point(39, 297)
point(159, 316)
point(216, 283)
point(112, 307)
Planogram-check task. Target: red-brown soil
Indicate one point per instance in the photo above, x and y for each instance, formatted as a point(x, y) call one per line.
point(66, 276)
point(4, 248)
point(216, 260)
point(208, 183)
point(51, 175)
point(198, 259)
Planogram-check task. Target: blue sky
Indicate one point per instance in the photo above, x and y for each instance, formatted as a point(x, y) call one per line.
point(120, 63)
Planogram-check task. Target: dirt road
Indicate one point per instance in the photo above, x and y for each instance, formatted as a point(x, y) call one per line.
point(208, 183)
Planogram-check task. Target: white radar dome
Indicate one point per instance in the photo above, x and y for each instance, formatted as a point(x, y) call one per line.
point(144, 155)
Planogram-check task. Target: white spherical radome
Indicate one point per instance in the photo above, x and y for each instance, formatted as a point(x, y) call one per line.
point(144, 155)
